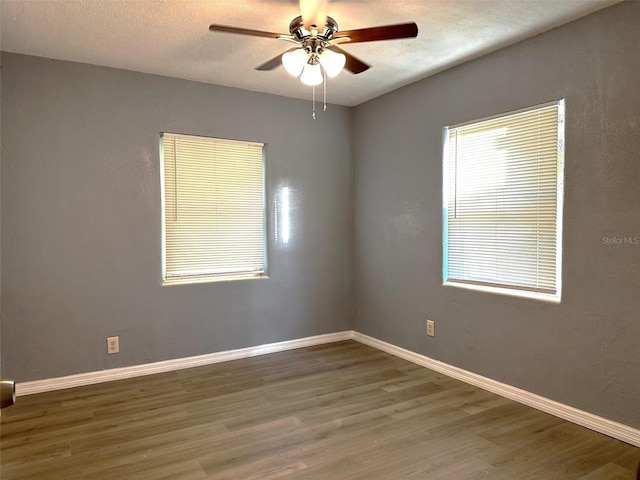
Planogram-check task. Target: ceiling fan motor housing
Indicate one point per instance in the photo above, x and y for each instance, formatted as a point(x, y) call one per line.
point(313, 41)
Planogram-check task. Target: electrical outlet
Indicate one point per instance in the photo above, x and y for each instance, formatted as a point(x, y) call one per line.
point(113, 345)
point(431, 328)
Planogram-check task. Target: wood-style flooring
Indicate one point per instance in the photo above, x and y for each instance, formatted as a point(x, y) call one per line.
point(340, 411)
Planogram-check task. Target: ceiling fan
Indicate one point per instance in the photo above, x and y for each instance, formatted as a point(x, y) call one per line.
point(316, 37)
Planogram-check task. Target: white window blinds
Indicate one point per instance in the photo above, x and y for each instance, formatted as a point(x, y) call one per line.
point(214, 214)
point(502, 201)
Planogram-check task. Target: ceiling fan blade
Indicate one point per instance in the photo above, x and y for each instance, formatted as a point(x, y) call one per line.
point(274, 62)
point(314, 13)
point(385, 32)
point(243, 31)
point(353, 64)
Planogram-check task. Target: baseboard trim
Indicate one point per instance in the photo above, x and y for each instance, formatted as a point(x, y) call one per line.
point(599, 424)
point(566, 412)
point(90, 378)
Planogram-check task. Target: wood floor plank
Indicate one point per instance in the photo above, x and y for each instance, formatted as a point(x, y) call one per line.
point(610, 471)
point(340, 411)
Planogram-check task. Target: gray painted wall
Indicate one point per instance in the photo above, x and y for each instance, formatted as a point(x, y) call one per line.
point(81, 221)
point(583, 352)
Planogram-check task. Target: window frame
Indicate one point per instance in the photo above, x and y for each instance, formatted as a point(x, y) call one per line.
point(210, 278)
point(512, 290)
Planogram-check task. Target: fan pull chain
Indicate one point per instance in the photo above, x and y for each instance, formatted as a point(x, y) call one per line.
point(313, 101)
point(324, 74)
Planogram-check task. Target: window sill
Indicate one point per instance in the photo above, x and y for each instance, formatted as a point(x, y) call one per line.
point(189, 281)
point(545, 297)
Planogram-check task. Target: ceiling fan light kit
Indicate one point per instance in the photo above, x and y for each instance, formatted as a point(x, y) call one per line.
point(314, 54)
point(317, 54)
point(299, 63)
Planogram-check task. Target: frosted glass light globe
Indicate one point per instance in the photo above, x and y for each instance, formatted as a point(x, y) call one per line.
point(293, 62)
point(311, 75)
point(332, 62)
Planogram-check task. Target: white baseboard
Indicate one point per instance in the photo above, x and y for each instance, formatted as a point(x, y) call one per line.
point(89, 378)
point(580, 417)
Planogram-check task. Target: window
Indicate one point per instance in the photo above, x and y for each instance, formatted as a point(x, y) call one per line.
point(213, 209)
point(502, 195)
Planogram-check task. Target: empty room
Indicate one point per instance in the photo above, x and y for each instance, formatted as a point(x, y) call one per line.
point(320, 239)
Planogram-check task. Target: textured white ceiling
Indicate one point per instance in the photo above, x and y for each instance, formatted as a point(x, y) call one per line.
point(171, 37)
